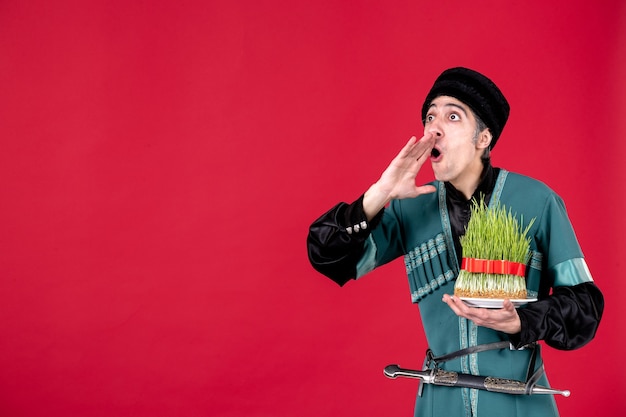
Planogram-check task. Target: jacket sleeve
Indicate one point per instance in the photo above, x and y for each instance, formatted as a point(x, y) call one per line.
point(567, 319)
point(336, 240)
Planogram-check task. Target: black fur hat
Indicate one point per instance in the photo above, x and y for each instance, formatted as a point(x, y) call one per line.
point(478, 92)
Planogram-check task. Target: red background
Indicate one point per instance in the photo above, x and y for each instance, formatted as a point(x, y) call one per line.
point(161, 162)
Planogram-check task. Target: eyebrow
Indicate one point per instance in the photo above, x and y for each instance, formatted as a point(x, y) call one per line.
point(450, 105)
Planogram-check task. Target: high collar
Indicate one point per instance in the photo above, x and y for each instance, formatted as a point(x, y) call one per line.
point(485, 186)
point(459, 208)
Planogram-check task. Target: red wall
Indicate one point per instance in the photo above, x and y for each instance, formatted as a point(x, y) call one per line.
point(161, 161)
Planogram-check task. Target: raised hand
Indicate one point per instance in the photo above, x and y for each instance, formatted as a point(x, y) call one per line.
point(398, 180)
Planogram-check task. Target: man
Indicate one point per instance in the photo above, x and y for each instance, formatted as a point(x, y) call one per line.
point(464, 114)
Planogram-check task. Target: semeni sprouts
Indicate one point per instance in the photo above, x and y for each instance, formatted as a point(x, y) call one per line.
point(493, 234)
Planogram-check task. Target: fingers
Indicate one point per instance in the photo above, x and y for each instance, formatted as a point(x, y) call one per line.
point(457, 305)
point(420, 149)
point(398, 179)
point(428, 140)
point(425, 189)
point(508, 305)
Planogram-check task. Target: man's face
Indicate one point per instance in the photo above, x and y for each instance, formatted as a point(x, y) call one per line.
point(456, 156)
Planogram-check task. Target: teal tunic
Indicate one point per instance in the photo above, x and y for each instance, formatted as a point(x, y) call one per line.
point(419, 230)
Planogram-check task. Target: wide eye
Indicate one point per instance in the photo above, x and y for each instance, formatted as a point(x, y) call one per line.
point(429, 118)
point(454, 117)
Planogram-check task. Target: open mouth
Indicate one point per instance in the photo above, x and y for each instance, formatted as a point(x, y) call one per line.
point(435, 153)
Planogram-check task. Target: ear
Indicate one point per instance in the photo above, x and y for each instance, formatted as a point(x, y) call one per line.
point(484, 139)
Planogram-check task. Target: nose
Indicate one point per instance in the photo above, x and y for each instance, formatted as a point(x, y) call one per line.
point(435, 129)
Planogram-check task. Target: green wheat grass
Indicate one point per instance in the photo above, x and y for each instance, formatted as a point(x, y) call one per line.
point(494, 234)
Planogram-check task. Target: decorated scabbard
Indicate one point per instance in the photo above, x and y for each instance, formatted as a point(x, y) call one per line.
point(455, 379)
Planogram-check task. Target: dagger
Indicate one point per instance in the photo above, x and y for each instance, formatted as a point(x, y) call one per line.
point(455, 379)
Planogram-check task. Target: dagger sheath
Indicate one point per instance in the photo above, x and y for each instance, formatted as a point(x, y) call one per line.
point(456, 379)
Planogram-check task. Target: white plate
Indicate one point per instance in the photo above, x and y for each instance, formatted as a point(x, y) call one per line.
point(494, 302)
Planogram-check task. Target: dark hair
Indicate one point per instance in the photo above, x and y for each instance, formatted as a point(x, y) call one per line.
point(480, 126)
